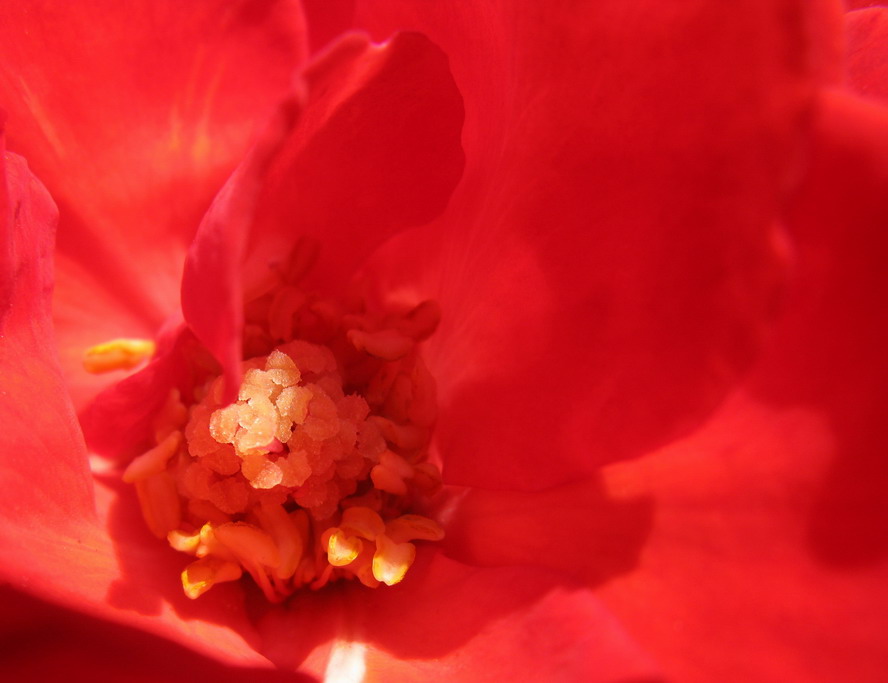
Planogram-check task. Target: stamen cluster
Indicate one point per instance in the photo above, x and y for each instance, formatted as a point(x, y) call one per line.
point(310, 475)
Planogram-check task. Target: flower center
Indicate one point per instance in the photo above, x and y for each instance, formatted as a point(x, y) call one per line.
point(311, 474)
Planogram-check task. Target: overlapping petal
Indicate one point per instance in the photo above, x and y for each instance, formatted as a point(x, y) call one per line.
point(609, 264)
point(770, 524)
point(374, 149)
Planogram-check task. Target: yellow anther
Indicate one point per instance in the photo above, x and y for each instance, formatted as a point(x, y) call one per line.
point(202, 575)
point(154, 461)
point(342, 549)
point(184, 543)
point(392, 560)
point(362, 521)
point(413, 528)
point(385, 344)
point(117, 354)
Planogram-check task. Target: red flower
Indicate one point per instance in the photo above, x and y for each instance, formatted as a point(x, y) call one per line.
point(660, 364)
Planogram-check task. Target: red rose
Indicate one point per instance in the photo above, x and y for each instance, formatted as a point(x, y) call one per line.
point(654, 232)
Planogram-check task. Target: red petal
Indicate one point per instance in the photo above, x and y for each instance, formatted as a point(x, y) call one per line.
point(133, 115)
point(770, 521)
point(447, 621)
point(579, 529)
point(609, 264)
point(45, 474)
point(51, 541)
point(867, 63)
point(376, 149)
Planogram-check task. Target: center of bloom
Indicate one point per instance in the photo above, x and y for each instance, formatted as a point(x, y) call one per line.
point(311, 474)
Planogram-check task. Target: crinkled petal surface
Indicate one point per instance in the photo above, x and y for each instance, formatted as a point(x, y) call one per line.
point(374, 149)
point(609, 264)
point(134, 114)
point(770, 524)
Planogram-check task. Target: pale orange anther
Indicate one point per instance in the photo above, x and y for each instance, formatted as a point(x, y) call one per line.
point(386, 344)
point(386, 480)
point(154, 461)
point(362, 521)
point(117, 354)
point(286, 534)
point(159, 500)
point(249, 543)
point(342, 549)
point(396, 464)
point(183, 542)
point(392, 560)
point(413, 528)
point(198, 577)
point(403, 436)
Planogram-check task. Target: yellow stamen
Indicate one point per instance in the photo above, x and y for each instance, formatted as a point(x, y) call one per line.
point(342, 549)
point(392, 560)
point(203, 574)
point(117, 354)
point(303, 480)
point(154, 461)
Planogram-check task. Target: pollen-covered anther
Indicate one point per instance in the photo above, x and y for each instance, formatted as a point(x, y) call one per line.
point(308, 477)
point(117, 354)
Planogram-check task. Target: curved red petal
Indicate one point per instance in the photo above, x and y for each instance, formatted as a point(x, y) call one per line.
point(376, 149)
point(771, 518)
point(45, 473)
point(609, 264)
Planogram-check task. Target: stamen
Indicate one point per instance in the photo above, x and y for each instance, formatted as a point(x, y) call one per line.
point(117, 354)
point(307, 478)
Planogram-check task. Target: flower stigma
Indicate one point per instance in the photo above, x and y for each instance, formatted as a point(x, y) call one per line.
point(314, 474)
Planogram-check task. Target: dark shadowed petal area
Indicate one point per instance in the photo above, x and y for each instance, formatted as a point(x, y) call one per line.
point(375, 149)
point(133, 115)
point(41, 642)
point(771, 525)
point(447, 621)
point(867, 37)
point(609, 265)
